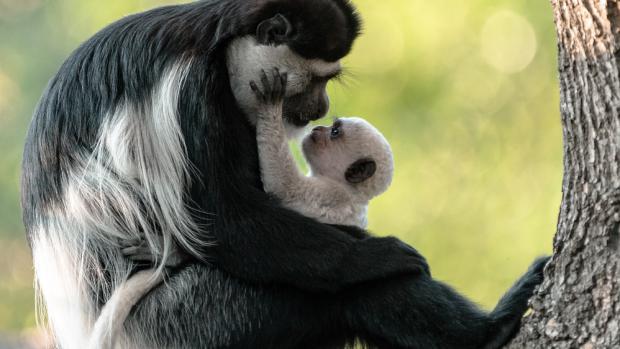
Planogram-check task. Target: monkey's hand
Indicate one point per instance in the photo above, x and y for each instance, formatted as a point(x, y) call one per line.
point(140, 252)
point(382, 257)
point(394, 252)
point(271, 96)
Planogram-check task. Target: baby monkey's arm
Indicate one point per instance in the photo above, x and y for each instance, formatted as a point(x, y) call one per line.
point(281, 177)
point(312, 197)
point(279, 171)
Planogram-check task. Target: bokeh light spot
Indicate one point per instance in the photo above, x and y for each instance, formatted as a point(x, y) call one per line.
point(381, 48)
point(8, 95)
point(10, 8)
point(508, 42)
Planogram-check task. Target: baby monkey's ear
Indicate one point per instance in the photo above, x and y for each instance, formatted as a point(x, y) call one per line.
point(360, 171)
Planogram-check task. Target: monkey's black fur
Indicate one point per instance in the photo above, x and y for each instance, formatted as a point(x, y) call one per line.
point(276, 279)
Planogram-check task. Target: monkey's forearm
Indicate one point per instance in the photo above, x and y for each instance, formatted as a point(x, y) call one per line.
point(279, 171)
point(259, 241)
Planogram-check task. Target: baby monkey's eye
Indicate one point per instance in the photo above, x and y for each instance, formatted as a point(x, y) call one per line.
point(336, 131)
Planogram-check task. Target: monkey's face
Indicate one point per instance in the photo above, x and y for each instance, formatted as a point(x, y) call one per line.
point(306, 97)
point(304, 39)
point(350, 151)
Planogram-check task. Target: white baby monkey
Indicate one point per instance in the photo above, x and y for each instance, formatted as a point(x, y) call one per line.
point(350, 161)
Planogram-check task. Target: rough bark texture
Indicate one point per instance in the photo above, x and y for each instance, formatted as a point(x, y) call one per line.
point(578, 305)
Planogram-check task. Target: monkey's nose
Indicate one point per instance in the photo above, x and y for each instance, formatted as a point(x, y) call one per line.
point(313, 137)
point(316, 133)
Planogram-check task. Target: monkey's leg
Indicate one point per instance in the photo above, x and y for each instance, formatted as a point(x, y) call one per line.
point(207, 308)
point(419, 312)
point(202, 307)
point(415, 312)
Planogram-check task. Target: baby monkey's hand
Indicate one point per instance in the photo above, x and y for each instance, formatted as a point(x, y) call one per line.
point(271, 96)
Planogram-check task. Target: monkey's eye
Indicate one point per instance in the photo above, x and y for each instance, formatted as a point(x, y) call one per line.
point(336, 129)
point(335, 132)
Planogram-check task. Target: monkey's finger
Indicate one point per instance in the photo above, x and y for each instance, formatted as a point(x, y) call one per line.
point(425, 270)
point(284, 81)
point(256, 91)
point(253, 86)
point(277, 84)
point(276, 73)
point(265, 81)
point(423, 267)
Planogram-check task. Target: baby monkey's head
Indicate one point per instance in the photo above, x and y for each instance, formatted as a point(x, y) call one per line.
point(353, 152)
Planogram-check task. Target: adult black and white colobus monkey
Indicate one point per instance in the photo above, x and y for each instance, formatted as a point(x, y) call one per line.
point(139, 135)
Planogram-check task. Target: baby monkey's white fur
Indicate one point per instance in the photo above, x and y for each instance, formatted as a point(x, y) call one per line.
point(325, 193)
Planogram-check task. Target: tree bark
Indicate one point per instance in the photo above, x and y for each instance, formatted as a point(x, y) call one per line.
point(578, 304)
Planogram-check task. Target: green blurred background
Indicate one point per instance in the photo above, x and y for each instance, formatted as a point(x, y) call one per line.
point(465, 91)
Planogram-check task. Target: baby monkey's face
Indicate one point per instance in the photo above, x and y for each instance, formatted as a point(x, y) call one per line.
point(350, 151)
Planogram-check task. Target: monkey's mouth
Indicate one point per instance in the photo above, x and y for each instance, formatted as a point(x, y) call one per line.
point(302, 120)
point(300, 115)
point(299, 122)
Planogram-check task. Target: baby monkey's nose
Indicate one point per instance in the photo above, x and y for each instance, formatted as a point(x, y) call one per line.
point(317, 133)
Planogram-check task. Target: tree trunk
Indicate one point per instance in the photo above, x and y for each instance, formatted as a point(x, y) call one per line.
point(578, 305)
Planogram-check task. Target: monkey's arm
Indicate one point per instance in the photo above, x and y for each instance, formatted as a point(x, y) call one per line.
point(279, 171)
point(260, 241)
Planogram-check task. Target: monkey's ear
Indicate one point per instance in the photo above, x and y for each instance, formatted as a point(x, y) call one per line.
point(360, 171)
point(274, 31)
